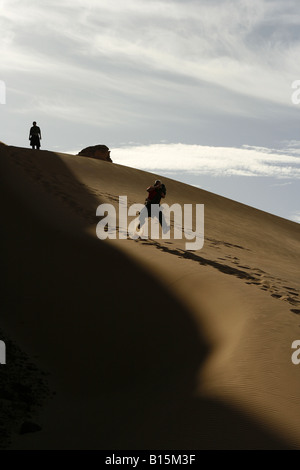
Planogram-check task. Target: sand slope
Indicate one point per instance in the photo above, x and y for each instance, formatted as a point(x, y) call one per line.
point(147, 345)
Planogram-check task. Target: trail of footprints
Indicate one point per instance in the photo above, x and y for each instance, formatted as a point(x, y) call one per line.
point(278, 288)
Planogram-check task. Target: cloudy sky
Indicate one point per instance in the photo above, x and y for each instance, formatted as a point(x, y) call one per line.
point(204, 91)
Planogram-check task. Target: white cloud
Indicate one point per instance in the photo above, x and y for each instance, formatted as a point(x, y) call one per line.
point(218, 161)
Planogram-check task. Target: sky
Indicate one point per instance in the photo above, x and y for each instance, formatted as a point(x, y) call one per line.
point(203, 91)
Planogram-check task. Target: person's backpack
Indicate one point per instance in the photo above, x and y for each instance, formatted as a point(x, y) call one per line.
point(157, 197)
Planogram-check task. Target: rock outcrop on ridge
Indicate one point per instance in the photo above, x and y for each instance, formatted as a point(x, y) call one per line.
point(100, 152)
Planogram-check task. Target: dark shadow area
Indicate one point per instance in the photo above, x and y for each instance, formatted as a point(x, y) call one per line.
point(119, 346)
point(23, 391)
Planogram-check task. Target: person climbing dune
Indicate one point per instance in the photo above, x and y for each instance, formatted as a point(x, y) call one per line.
point(156, 192)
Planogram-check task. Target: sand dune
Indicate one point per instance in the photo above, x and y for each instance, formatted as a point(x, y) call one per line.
point(145, 345)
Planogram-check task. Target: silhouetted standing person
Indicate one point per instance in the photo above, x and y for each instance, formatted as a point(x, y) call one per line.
point(35, 136)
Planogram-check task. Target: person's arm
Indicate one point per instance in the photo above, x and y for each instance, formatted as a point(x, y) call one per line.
point(40, 133)
point(163, 195)
point(151, 188)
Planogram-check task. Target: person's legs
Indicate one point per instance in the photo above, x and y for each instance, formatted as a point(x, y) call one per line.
point(160, 216)
point(157, 213)
point(145, 212)
point(35, 142)
point(162, 220)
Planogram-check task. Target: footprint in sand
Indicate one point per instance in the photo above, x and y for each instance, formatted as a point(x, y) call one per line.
point(295, 310)
point(266, 284)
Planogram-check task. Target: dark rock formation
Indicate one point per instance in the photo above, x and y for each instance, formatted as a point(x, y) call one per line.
point(100, 152)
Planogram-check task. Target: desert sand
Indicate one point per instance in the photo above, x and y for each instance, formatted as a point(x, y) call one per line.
point(141, 344)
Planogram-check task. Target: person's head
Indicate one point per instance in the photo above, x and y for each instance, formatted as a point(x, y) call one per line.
point(157, 183)
point(34, 123)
